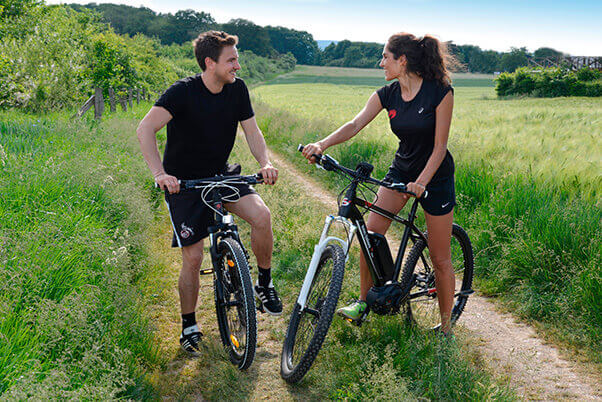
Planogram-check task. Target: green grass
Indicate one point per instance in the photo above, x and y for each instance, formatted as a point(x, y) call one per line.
point(364, 77)
point(528, 174)
point(76, 271)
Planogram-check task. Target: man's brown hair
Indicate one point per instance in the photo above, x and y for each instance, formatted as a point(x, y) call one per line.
point(210, 44)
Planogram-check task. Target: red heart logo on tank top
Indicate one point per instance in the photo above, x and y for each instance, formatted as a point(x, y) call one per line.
point(392, 113)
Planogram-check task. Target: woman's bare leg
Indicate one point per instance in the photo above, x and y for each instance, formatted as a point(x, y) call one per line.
point(439, 237)
point(388, 200)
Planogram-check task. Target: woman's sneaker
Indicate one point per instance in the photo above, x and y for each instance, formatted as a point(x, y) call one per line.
point(267, 296)
point(355, 311)
point(190, 339)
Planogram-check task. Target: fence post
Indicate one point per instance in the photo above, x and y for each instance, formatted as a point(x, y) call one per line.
point(98, 103)
point(112, 100)
point(137, 96)
point(130, 97)
point(123, 102)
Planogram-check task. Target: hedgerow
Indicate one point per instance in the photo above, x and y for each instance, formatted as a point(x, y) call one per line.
point(550, 82)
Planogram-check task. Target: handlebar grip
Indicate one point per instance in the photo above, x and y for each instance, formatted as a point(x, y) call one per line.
point(318, 158)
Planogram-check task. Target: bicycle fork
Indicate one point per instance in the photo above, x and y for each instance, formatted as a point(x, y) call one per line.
point(325, 240)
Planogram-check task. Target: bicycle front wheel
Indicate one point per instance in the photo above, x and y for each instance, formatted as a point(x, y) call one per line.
point(308, 326)
point(422, 306)
point(235, 306)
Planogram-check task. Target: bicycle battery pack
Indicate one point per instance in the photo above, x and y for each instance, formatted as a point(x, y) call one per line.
point(382, 255)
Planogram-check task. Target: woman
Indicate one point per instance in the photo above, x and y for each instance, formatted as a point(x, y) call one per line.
point(419, 104)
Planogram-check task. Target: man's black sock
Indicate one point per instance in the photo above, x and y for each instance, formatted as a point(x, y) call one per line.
point(264, 278)
point(188, 320)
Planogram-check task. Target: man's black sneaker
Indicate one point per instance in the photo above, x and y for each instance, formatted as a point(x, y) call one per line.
point(270, 302)
point(189, 340)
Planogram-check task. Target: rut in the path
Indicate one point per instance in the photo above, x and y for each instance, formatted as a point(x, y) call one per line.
point(513, 349)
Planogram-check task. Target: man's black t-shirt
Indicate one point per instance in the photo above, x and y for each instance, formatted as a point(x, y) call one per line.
point(201, 133)
point(413, 123)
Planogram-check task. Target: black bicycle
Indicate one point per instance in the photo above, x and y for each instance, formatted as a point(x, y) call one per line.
point(415, 293)
point(233, 289)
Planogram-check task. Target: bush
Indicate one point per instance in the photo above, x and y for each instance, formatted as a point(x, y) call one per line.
point(550, 82)
point(257, 68)
point(504, 83)
point(524, 82)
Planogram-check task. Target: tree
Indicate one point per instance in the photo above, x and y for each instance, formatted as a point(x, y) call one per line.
point(300, 43)
point(15, 8)
point(250, 36)
point(547, 52)
point(515, 59)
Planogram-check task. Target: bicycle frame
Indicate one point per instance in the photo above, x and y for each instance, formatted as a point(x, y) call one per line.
point(350, 216)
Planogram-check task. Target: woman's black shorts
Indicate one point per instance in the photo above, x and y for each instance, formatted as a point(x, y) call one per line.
point(191, 217)
point(441, 197)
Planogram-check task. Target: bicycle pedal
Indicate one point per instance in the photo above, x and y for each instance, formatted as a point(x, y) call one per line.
point(207, 271)
point(259, 305)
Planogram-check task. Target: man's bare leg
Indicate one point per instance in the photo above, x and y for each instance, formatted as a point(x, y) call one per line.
point(188, 286)
point(252, 209)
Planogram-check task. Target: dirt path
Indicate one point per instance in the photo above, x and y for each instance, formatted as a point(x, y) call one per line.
point(512, 349)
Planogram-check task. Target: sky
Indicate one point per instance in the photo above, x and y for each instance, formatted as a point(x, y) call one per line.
point(573, 27)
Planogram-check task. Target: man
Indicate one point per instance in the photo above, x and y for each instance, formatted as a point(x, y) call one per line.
point(202, 114)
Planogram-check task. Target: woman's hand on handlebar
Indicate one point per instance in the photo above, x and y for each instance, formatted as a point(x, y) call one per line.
point(311, 149)
point(269, 174)
point(415, 188)
point(168, 183)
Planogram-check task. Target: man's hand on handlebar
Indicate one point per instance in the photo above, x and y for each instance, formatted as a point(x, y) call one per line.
point(167, 183)
point(269, 174)
point(311, 149)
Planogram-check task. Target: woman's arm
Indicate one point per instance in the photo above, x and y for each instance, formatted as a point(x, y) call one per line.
point(443, 122)
point(347, 130)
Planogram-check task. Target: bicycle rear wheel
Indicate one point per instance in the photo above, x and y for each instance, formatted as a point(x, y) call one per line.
point(422, 306)
point(235, 307)
point(308, 326)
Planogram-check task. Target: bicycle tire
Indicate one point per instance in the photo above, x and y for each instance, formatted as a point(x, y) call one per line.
point(297, 358)
point(236, 315)
point(418, 278)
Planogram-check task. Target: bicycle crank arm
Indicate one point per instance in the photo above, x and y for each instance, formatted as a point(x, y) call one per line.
point(207, 271)
point(312, 311)
point(432, 291)
point(466, 292)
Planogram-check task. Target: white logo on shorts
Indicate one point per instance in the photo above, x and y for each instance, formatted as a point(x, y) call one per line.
point(444, 205)
point(421, 110)
point(186, 232)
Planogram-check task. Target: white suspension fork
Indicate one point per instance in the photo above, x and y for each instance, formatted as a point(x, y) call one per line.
point(325, 240)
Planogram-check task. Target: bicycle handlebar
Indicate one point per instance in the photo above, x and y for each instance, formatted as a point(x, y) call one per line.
point(194, 183)
point(329, 163)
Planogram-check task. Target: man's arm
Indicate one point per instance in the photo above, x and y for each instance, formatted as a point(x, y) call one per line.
point(156, 118)
point(259, 150)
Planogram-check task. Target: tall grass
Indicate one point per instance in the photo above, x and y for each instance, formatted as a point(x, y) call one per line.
point(555, 141)
point(73, 260)
point(536, 229)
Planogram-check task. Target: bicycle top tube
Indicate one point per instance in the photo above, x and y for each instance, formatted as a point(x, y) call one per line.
point(329, 163)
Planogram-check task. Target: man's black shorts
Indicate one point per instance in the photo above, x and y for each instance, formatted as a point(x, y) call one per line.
point(441, 197)
point(191, 217)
